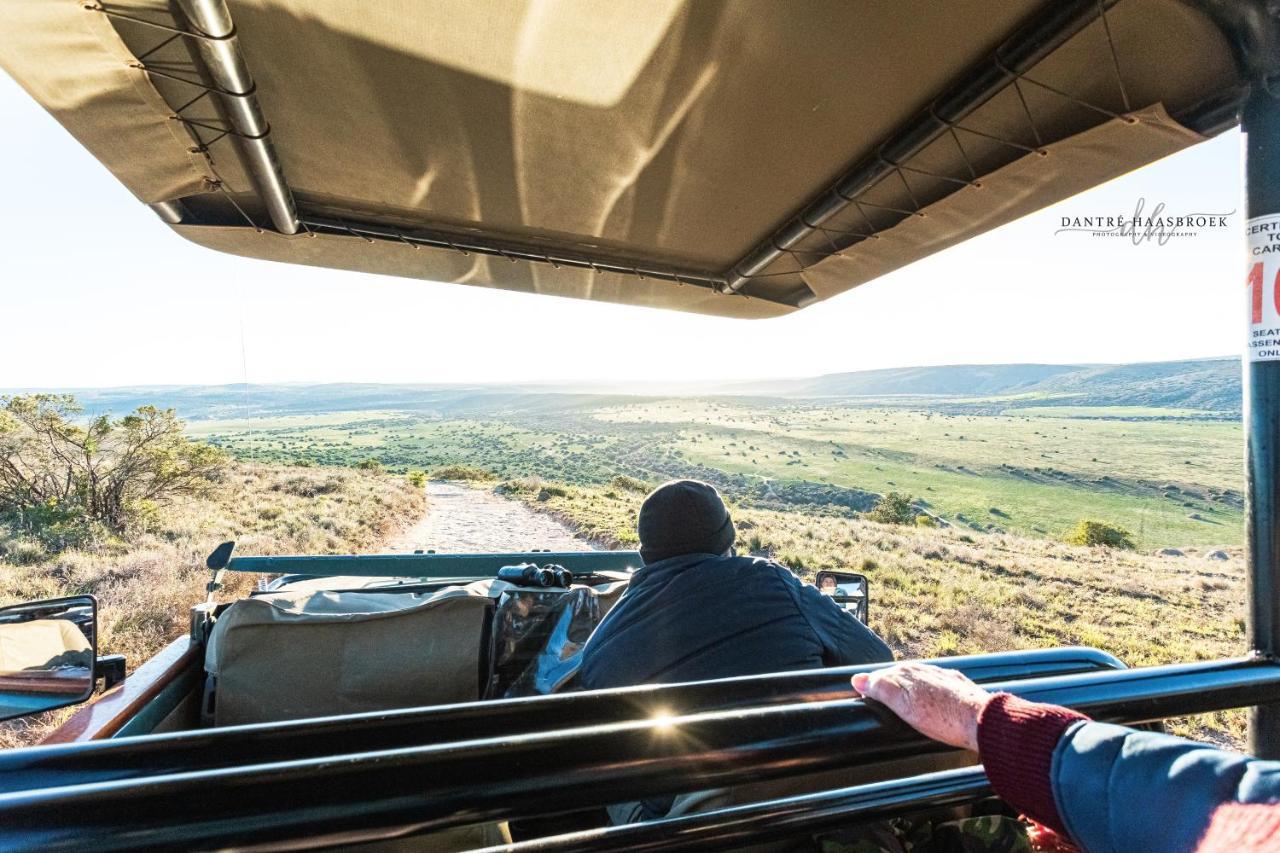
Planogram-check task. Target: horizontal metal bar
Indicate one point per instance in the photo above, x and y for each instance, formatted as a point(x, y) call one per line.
point(788, 817)
point(220, 52)
point(171, 212)
point(234, 746)
point(1027, 46)
point(510, 250)
point(431, 787)
point(435, 565)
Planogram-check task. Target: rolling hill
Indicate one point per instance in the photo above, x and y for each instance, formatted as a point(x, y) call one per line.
point(1211, 385)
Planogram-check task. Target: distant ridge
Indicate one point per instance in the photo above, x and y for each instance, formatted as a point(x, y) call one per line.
point(1210, 384)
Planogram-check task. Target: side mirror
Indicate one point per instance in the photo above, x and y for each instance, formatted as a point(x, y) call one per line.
point(48, 654)
point(851, 591)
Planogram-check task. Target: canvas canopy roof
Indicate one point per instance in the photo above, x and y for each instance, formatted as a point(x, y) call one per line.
point(734, 157)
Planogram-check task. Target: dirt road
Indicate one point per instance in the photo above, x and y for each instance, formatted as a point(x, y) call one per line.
point(461, 519)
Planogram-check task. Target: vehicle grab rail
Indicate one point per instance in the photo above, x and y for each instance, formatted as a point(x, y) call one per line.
point(346, 796)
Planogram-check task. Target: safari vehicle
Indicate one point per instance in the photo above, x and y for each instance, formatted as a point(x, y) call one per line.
point(739, 158)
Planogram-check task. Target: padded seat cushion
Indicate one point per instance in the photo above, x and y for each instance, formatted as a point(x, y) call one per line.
point(298, 654)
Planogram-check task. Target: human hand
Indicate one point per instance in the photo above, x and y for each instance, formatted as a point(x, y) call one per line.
point(942, 704)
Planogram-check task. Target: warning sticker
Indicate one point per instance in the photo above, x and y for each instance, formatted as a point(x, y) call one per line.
point(1262, 288)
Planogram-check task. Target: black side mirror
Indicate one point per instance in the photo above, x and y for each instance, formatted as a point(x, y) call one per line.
point(48, 654)
point(851, 591)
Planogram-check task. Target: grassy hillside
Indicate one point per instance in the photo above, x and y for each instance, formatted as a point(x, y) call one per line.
point(949, 592)
point(1172, 480)
point(1210, 385)
point(147, 584)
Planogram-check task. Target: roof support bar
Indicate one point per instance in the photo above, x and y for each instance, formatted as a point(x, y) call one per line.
point(171, 212)
point(514, 251)
point(1027, 46)
point(220, 51)
point(1261, 122)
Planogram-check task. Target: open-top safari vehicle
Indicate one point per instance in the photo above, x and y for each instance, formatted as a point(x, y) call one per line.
point(741, 158)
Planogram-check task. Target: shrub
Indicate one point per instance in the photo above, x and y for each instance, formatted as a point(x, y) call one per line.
point(416, 478)
point(370, 465)
point(1095, 533)
point(55, 471)
point(461, 472)
point(923, 520)
point(308, 486)
point(893, 508)
point(629, 484)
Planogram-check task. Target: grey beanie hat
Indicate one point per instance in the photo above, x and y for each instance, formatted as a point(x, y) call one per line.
point(683, 517)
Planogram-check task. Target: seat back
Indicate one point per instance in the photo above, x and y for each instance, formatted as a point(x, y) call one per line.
point(297, 654)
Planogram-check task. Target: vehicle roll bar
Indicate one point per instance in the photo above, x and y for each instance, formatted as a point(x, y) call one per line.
point(788, 817)
point(434, 565)
point(349, 796)
point(1261, 125)
point(235, 746)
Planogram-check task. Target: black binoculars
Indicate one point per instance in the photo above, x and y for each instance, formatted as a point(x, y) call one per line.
point(529, 574)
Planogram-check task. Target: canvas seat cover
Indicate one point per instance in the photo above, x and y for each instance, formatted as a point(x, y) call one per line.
point(298, 654)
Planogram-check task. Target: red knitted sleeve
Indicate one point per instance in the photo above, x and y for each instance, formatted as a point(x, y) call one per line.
point(1241, 828)
point(1016, 740)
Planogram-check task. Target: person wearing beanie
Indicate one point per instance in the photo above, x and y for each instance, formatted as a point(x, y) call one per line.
point(696, 611)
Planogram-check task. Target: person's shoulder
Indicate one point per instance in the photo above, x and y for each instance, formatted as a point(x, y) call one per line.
point(761, 565)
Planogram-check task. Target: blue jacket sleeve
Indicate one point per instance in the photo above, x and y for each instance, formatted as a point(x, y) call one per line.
point(1119, 790)
point(845, 641)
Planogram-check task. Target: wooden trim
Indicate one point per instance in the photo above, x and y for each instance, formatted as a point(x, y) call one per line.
point(53, 683)
point(109, 713)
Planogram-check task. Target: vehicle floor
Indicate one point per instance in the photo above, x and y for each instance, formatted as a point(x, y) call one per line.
point(462, 519)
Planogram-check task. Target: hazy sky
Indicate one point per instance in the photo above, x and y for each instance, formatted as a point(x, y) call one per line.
point(95, 291)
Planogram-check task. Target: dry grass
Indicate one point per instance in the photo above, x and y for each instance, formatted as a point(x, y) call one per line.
point(939, 592)
point(146, 586)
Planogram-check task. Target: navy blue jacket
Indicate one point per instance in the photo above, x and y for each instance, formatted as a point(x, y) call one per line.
point(1119, 790)
point(1113, 789)
point(702, 616)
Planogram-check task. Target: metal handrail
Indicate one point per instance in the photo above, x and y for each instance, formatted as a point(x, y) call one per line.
point(433, 565)
point(787, 817)
point(423, 788)
point(234, 746)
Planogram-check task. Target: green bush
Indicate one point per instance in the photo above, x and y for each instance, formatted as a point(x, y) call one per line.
point(60, 472)
point(370, 465)
point(1088, 532)
point(923, 520)
point(416, 478)
point(629, 484)
point(461, 472)
point(893, 508)
point(548, 492)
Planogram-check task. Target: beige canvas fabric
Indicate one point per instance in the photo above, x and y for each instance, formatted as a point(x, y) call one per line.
point(1009, 193)
point(673, 133)
point(75, 64)
point(32, 645)
point(309, 654)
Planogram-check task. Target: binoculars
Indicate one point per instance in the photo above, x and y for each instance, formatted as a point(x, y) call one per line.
point(530, 574)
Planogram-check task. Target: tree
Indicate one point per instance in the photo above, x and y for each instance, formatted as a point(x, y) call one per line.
point(1100, 533)
point(893, 508)
point(103, 469)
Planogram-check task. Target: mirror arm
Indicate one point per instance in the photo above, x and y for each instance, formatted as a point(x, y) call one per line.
point(112, 670)
point(217, 563)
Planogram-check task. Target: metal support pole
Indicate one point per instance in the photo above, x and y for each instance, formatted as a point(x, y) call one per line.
point(220, 52)
point(1261, 125)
